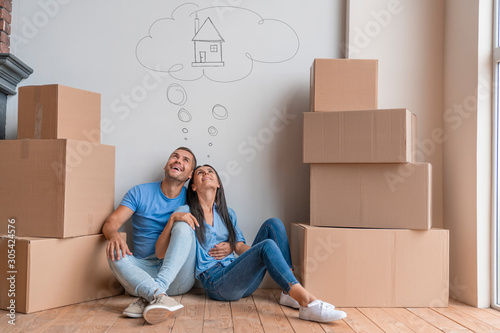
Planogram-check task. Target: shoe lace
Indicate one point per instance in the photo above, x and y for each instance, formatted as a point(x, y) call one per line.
point(141, 301)
point(328, 306)
point(156, 299)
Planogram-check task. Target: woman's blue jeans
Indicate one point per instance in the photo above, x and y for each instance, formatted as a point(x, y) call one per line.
point(270, 252)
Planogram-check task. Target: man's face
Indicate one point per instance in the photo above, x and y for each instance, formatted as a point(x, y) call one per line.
point(179, 165)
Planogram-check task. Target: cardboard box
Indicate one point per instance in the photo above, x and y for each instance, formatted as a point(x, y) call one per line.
point(58, 112)
point(373, 267)
point(344, 85)
point(371, 195)
point(51, 272)
point(56, 188)
point(370, 136)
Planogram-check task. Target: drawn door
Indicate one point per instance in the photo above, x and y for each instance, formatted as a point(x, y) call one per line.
point(203, 56)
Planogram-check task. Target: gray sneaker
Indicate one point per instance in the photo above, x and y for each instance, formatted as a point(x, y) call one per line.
point(136, 309)
point(160, 309)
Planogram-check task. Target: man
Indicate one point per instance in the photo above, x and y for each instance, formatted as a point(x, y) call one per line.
point(143, 273)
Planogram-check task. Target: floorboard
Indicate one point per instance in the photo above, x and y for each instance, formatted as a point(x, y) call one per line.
point(245, 316)
point(437, 320)
point(258, 313)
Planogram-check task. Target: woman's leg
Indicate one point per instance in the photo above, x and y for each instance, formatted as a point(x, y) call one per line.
point(245, 273)
point(274, 229)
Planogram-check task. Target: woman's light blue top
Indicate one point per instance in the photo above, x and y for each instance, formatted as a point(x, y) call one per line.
point(215, 234)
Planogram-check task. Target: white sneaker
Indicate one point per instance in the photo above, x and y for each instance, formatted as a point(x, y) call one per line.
point(160, 309)
point(321, 312)
point(288, 300)
point(136, 309)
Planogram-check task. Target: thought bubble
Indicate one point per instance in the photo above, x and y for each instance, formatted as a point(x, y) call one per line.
point(212, 131)
point(219, 112)
point(196, 42)
point(184, 115)
point(176, 94)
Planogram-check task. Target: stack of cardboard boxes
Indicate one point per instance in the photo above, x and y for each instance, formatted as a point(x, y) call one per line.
point(370, 241)
point(57, 188)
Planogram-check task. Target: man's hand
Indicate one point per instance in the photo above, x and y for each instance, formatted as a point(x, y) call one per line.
point(221, 250)
point(117, 243)
point(110, 230)
point(185, 217)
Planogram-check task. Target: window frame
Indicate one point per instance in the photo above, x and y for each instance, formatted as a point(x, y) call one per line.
point(495, 241)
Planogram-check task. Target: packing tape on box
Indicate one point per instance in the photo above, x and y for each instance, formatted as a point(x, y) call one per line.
point(25, 149)
point(38, 113)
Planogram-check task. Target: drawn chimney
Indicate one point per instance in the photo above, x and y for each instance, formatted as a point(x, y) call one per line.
point(196, 24)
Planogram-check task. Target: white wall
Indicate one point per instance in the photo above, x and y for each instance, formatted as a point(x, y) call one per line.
point(434, 57)
point(258, 149)
point(92, 45)
point(467, 161)
point(407, 37)
point(460, 149)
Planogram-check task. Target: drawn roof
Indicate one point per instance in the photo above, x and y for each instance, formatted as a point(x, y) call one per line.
point(208, 32)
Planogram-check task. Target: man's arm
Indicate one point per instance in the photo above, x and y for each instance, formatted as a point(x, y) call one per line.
point(164, 239)
point(110, 231)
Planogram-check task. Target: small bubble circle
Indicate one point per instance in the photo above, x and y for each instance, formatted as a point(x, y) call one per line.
point(212, 131)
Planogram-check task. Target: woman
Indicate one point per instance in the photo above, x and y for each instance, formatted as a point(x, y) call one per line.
point(229, 278)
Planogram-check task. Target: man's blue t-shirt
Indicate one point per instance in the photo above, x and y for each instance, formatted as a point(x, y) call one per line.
point(152, 209)
point(215, 234)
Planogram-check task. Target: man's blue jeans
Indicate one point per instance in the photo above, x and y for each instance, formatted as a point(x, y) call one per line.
point(270, 252)
point(150, 276)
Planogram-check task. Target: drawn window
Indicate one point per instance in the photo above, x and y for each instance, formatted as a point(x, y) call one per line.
point(214, 48)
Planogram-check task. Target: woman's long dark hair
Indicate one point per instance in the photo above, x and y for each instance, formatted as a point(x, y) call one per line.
point(220, 204)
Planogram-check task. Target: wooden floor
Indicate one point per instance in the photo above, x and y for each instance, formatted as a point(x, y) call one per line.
point(257, 313)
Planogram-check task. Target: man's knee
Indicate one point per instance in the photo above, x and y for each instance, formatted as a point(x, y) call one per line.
point(116, 263)
point(182, 228)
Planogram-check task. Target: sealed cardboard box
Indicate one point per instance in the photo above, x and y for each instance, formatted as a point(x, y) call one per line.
point(344, 85)
point(56, 188)
point(49, 272)
point(373, 267)
point(371, 195)
point(369, 136)
point(59, 112)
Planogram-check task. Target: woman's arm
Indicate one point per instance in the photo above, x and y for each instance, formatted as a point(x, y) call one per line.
point(164, 239)
point(240, 248)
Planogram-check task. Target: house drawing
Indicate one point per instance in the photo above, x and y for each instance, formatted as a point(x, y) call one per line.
point(207, 45)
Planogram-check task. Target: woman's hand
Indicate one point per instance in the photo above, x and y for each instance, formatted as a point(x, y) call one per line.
point(163, 240)
point(221, 250)
point(184, 217)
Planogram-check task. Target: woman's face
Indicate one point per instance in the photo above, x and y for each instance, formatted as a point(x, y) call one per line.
point(205, 178)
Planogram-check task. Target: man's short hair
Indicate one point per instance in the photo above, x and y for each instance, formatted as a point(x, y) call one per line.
point(191, 152)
